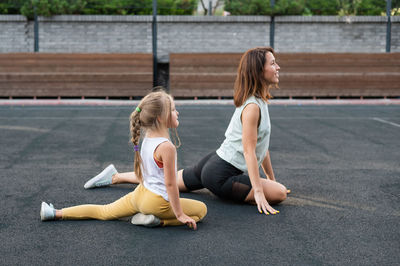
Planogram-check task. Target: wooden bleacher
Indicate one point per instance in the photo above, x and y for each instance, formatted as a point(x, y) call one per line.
point(75, 75)
point(195, 75)
point(301, 75)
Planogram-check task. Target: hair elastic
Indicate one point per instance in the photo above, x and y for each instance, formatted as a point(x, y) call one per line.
point(136, 148)
point(138, 109)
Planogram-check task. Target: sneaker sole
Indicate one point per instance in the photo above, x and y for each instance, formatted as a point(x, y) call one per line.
point(90, 184)
point(42, 211)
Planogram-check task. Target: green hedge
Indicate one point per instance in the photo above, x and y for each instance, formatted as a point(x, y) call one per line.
point(187, 7)
point(309, 7)
point(97, 7)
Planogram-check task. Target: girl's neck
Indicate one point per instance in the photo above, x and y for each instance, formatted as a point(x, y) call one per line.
point(162, 133)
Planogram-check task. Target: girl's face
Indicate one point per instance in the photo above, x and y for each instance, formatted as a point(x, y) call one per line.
point(271, 69)
point(174, 116)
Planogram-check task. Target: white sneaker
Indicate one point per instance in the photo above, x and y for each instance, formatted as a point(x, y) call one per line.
point(148, 220)
point(102, 179)
point(47, 212)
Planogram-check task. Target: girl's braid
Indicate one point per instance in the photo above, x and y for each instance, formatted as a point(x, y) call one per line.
point(135, 137)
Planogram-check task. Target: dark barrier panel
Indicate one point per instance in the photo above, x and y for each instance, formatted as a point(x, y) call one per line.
point(301, 75)
point(75, 75)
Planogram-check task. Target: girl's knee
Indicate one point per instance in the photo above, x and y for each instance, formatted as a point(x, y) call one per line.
point(204, 208)
point(202, 211)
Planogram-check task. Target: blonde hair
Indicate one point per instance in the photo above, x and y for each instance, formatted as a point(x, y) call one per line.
point(153, 106)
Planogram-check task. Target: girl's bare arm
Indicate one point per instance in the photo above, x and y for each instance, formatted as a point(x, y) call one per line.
point(167, 152)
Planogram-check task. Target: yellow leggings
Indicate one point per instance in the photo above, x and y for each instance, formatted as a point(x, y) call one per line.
point(140, 200)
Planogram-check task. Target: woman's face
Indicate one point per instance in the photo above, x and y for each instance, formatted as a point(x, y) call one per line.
point(174, 116)
point(271, 69)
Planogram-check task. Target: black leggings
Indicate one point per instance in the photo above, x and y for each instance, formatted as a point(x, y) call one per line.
point(219, 176)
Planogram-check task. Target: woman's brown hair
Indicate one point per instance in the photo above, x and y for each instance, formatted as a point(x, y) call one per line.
point(250, 76)
point(153, 106)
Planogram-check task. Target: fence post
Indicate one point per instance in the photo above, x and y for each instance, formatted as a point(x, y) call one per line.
point(154, 38)
point(388, 25)
point(35, 32)
point(272, 26)
point(210, 8)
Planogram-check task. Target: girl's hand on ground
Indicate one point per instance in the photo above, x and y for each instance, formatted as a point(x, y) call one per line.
point(263, 205)
point(188, 221)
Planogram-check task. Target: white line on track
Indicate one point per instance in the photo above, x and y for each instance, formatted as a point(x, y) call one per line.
point(385, 121)
point(24, 128)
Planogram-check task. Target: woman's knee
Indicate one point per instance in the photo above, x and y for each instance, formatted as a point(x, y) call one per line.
point(274, 191)
point(280, 194)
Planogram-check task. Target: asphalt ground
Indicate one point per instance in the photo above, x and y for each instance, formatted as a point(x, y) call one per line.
point(342, 164)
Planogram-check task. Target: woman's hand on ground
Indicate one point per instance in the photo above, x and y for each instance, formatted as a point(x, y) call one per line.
point(263, 205)
point(188, 221)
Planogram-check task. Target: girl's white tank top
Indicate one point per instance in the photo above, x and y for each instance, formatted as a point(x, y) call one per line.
point(153, 175)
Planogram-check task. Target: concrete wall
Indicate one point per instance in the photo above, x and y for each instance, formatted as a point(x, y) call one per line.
point(95, 34)
point(211, 34)
point(333, 34)
point(16, 34)
point(133, 34)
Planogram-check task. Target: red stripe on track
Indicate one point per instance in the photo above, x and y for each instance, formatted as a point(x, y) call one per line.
point(33, 102)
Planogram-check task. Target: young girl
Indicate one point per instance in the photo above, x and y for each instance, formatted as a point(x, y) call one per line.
point(155, 201)
point(244, 149)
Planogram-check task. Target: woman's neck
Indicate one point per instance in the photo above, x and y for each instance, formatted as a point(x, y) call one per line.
point(162, 133)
